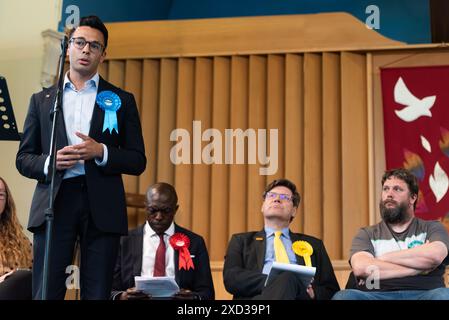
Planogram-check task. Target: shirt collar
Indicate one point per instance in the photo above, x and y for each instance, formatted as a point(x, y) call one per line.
point(92, 82)
point(169, 232)
point(270, 232)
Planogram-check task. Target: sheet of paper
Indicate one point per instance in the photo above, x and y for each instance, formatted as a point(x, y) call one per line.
point(305, 274)
point(157, 286)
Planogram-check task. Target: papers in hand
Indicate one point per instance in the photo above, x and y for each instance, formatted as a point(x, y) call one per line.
point(157, 286)
point(305, 274)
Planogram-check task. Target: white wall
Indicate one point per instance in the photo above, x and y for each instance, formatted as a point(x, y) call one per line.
point(21, 56)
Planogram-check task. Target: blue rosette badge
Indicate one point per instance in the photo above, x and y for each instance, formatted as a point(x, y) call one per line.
point(110, 103)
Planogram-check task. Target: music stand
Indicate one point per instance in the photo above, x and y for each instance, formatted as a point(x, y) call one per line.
point(8, 126)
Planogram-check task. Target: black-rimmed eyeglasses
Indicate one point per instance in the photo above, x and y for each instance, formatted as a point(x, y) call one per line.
point(282, 196)
point(80, 43)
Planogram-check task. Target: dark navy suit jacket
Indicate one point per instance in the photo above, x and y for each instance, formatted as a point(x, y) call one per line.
point(126, 155)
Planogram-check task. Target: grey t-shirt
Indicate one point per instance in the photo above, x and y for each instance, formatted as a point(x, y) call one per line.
point(380, 239)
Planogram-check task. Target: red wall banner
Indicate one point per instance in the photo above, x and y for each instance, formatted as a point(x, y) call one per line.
point(416, 128)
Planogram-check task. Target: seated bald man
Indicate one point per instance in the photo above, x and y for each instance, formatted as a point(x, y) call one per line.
point(142, 252)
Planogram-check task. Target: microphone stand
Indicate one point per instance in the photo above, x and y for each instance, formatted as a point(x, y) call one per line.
point(49, 212)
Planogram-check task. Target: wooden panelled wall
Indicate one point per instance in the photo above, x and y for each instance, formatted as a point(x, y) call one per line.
point(316, 101)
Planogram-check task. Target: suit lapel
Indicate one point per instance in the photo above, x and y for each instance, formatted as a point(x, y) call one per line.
point(176, 260)
point(295, 237)
point(137, 251)
point(259, 244)
point(96, 125)
point(61, 133)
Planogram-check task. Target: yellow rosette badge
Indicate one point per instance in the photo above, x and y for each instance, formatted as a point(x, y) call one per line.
point(303, 249)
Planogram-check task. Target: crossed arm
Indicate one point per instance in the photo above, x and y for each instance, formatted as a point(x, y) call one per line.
point(402, 263)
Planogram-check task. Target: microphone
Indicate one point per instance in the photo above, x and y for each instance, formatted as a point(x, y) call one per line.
point(58, 100)
point(64, 43)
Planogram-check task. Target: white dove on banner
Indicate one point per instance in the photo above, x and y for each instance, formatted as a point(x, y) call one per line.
point(415, 107)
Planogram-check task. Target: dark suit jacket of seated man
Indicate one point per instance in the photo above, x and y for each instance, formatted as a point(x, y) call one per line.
point(248, 259)
point(195, 283)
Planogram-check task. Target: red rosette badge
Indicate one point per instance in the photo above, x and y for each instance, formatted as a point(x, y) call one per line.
point(179, 241)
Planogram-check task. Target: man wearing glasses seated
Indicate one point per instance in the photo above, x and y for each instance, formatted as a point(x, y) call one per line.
point(161, 248)
point(250, 255)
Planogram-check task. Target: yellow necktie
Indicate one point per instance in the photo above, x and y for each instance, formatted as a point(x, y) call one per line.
point(279, 250)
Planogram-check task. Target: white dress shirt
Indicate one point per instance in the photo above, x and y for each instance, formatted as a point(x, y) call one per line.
point(150, 243)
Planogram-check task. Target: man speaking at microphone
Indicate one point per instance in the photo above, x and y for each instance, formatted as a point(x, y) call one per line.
point(99, 137)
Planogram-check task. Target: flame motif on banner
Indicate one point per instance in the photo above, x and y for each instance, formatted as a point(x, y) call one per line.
point(416, 118)
point(444, 142)
point(425, 143)
point(438, 182)
point(421, 206)
point(414, 163)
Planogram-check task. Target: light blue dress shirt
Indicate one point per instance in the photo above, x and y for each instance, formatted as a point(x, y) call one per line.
point(78, 107)
point(269, 249)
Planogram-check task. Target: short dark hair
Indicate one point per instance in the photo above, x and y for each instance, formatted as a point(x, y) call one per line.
point(95, 23)
point(405, 175)
point(296, 198)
